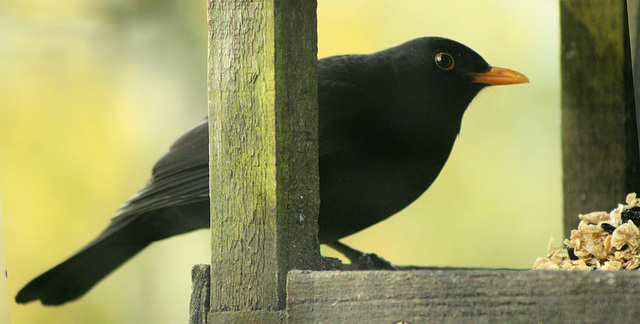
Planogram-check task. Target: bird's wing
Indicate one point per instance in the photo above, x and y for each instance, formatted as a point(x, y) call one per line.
point(180, 177)
point(342, 104)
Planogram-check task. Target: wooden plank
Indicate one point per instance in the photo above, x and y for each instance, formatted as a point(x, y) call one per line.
point(263, 153)
point(599, 130)
point(463, 296)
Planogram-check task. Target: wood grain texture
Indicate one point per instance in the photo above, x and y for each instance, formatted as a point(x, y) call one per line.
point(263, 149)
point(199, 303)
point(599, 130)
point(244, 317)
point(463, 296)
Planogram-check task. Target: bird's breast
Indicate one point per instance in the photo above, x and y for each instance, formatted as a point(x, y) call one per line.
point(360, 187)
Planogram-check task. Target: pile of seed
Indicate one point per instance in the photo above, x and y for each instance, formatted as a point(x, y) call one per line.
point(603, 241)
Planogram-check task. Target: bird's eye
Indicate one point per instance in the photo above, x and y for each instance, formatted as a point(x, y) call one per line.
point(445, 61)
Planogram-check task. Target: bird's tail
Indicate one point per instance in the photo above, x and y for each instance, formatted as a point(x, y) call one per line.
point(80, 272)
point(126, 235)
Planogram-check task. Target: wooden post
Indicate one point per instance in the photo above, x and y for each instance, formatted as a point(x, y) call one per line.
point(263, 156)
point(633, 9)
point(599, 130)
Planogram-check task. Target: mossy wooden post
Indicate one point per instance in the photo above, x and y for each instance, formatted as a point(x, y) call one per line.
point(633, 7)
point(263, 154)
point(599, 129)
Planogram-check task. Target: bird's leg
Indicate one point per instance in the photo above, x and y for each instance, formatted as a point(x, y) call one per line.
point(360, 260)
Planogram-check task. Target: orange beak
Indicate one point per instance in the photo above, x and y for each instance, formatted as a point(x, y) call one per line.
point(499, 76)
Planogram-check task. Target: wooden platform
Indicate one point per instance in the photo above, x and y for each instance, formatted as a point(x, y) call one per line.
point(464, 296)
point(450, 295)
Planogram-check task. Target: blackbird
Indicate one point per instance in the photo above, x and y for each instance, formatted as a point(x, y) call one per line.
point(387, 124)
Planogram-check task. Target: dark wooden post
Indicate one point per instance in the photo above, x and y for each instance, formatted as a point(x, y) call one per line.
point(633, 8)
point(263, 156)
point(599, 130)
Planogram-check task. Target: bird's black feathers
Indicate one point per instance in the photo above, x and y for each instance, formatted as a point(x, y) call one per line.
point(179, 177)
point(387, 123)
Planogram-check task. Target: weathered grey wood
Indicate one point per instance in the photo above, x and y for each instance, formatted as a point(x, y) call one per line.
point(263, 153)
point(463, 296)
point(244, 317)
point(199, 307)
point(599, 130)
point(199, 303)
point(632, 15)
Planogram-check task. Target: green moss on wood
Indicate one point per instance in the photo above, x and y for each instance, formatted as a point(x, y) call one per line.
point(261, 97)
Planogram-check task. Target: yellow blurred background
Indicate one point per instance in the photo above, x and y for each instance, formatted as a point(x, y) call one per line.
point(94, 91)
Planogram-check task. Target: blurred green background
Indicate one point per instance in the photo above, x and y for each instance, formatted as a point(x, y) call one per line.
point(94, 91)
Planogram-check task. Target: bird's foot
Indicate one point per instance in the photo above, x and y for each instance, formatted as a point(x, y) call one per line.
point(360, 260)
point(369, 261)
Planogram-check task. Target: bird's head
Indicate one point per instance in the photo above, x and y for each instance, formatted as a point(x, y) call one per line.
point(451, 62)
point(435, 79)
point(445, 66)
